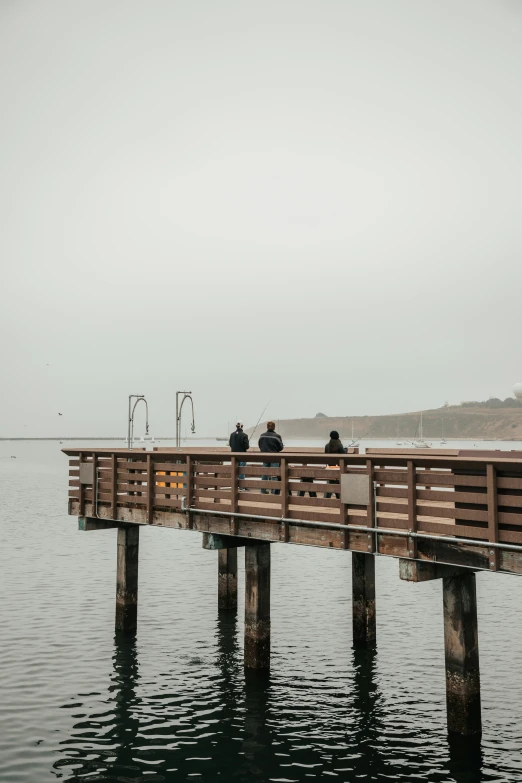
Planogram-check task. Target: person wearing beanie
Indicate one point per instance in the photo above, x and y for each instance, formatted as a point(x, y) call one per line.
point(239, 443)
point(334, 446)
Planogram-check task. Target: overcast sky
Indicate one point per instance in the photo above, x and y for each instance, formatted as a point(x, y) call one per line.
point(315, 202)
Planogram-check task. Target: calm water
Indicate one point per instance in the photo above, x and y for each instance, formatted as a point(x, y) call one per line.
point(174, 703)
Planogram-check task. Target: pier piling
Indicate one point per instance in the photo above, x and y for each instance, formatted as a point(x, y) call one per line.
point(227, 578)
point(127, 578)
point(363, 599)
point(462, 655)
point(257, 606)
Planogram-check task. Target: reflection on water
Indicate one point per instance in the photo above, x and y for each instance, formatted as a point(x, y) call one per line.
point(252, 736)
point(174, 702)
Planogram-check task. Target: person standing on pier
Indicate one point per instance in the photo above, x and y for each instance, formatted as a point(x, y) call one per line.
point(270, 443)
point(239, 442)
point(334, 446)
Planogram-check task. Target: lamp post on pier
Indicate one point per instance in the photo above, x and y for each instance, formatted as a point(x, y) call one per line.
point(187, 395)
point(130, 422)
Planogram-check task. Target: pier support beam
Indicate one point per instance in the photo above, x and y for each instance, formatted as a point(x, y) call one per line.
point(127, 578)
point(363, 599)
point(257, 606)
point(227, 578)
point(462, 655)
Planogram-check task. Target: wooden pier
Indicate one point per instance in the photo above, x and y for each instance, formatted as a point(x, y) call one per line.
point(444, 514)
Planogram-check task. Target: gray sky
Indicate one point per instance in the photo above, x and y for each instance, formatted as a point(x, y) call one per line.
point(315, 202)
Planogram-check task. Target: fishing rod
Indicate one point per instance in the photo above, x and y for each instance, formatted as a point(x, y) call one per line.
point(257, 425)
point(363, 437)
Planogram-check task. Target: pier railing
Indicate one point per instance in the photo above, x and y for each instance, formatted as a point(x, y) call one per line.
point(468, 497)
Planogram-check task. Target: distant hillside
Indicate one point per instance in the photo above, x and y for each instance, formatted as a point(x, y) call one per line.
point(454, 422)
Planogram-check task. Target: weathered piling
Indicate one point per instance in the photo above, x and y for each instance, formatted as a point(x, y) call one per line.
point(363, 598)
point(127, 578)
point(257, 606)
point(227, 578)
point(462, 654)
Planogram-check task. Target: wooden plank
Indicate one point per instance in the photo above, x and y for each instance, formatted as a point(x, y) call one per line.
point(220, 470)
point(170, 467)
point(170, 502)
point(305, 486)
point(505, 518)
point(258, 483)
point(383, 451)
point(314, 516)
point(208, 481)
point(250, 471)
point(314, 473)
point(508, 483)
point(134, 476)
point(258, 499)
point(212, 493)
point(295, 500)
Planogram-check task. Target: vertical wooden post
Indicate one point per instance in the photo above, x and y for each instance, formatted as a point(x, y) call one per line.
point(491, 479)
point(234, 491)
point(284, 499)
point(127, 578)
point(462, 655)
point(257, 606)
point(94, 485)
point(371, 516)
point(114, 487)
point(343, 507)
point(363, 598)
point(227, 578)
point(81, 504)
point(150, 489)
point(412, 507)
point(189, 488)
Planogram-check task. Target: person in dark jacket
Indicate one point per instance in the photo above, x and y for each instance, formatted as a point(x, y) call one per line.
point(239, 439)
point(239, 442)
point(270, 443)
point(334, 446)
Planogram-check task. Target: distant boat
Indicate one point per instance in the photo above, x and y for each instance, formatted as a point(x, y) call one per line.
point(420, 443)
point(399, 442)
point(225, 439)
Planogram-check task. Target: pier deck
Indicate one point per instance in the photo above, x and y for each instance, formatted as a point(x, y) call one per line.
point(444, 513)
point(417, 501)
